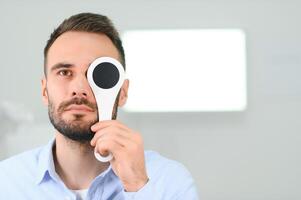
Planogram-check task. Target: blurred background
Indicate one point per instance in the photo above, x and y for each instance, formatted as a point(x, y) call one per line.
point(247, 155)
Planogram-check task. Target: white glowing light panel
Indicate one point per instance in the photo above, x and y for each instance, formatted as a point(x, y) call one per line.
point(186, 70)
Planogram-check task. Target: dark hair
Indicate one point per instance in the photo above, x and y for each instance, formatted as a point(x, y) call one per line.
point(87, 22)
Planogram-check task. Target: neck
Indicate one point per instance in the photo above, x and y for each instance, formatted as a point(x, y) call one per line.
point(75, 163)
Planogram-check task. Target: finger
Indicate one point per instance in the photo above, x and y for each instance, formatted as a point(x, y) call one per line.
point(107, 123)
point(105, 146)
point(110, 131)
point(117, 134)
point(99, 125)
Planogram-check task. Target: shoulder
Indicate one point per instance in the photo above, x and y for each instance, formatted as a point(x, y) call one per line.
point(158, 165)
point(29, 154)
point(18, 174)
point(169, 178)
point(20, 163)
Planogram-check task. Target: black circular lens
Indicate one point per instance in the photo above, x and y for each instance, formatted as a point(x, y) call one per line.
point(105, 75)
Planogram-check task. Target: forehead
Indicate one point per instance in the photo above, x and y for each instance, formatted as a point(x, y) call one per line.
point(80, 48)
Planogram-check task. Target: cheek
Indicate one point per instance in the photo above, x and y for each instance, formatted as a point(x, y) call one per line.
point(56, 94)
point(57, 90)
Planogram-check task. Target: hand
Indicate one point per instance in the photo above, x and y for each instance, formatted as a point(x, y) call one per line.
point(126, 146)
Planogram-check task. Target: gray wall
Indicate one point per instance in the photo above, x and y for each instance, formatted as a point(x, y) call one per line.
point(247, 155)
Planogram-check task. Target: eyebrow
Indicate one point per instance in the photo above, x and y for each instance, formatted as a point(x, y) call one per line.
point(61, 65)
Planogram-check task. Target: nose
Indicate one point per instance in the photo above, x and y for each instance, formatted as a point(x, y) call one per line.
point(80, 87)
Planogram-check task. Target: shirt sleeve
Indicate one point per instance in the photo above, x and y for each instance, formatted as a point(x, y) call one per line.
point(173, 182)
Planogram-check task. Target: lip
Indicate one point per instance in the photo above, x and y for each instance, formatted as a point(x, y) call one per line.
point(82, 108)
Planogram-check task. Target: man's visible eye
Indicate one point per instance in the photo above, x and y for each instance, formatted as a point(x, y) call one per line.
point(64, 73)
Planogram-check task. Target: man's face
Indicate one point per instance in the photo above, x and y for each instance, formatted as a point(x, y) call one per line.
point(71, 104)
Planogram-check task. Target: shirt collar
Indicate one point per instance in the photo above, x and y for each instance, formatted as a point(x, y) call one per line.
point(45, 162)
point(46, 168)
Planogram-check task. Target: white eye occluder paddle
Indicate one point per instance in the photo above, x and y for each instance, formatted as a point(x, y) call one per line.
point(105, 76)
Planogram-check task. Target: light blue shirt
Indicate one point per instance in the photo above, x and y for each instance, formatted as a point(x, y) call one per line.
point(31, 175)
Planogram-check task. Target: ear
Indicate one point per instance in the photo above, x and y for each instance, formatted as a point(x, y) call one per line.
point(123, 96)
point(44, 91)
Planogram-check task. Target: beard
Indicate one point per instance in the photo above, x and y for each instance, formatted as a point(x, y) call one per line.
point(75, 129)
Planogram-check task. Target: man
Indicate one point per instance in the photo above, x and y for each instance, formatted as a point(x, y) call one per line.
point(66, 168)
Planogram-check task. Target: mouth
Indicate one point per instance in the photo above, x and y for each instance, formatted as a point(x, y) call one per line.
point(79, 108)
